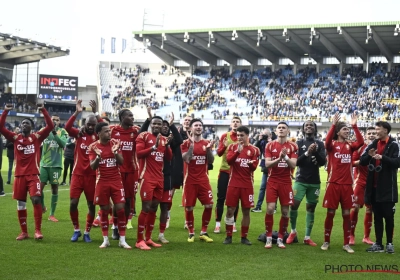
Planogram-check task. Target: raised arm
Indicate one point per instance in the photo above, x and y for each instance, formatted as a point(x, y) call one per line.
point(49, 124)
point(3, 130)
point(69, 124)
point(331, 132)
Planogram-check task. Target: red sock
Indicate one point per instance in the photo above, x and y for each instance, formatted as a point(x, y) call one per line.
point(89, 222)
point(346, 229)
point(163, 227)
point(190, 221)
point(151, 219)
point(328, 226)
point(22, 214)
point(104, 222)
point(283, 224)
point(205, 219)
point(367, 224)
point(229, 229)
point(37, 213)
point(269, 222)
point(141, 226)
point(354, 220)
point(75, 219)
point(121, 221)
point(245, 231)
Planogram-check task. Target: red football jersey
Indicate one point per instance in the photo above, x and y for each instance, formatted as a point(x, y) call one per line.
point(360, 172)
point(81, 154)
point(280, 173)
point(128, 146)
point(340, 165)
point(108, 169)
point(196, 172)
point(151, 163)
point(242, 173)
point(27, 149)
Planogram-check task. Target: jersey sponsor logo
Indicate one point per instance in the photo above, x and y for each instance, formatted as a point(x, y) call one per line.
point(274, 150)
point(244, 162)
point(126, 145)
point(199, 159)
point(158, 156)
point(345, 158)
point(84, 147)
point(283, 164)
point(51, 143)
point(28, 149)
point(109, 162)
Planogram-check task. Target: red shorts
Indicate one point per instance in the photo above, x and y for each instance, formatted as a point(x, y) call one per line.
point(278, 190)
point(151, 190)
point(80, 183)
point(192, 192)
point(167, 196)
point(24, 184)
point(106, 190)
point(128, 181)
point(359, 192)
point(336, 193)
point(246, 196)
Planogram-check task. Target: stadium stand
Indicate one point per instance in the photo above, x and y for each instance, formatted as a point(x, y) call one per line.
point(260, 95)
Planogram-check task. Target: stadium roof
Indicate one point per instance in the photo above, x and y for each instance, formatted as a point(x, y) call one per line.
point(16, 50)
point(317, 41)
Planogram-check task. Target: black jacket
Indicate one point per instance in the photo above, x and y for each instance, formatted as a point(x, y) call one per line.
point(386, 189)
point(261, 144)
point(69, 149)
point(307, 166)
point(10, 149)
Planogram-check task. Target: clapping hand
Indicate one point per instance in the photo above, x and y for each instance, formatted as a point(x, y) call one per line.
point(115, 145)
point(283, 153)
point(336, 118)
point(354, 118)
point(210, 144)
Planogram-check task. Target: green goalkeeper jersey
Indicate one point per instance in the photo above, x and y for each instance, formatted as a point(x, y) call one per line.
point(52, 150)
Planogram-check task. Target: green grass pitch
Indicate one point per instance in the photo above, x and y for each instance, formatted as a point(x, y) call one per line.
point(56, 257)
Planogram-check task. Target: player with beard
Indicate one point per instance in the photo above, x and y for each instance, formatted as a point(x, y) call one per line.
point(280, 159)
point(83, 177)
point(339, 187)
point(27, 155)
point(243, 159)
point(226, 139)
point(311, 156)
point(105, 156)
point(127, 133)
point(360, 182)
point(152, 149)
point(197, 154)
